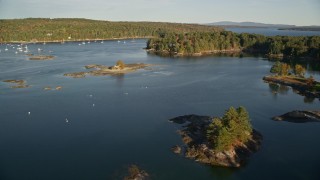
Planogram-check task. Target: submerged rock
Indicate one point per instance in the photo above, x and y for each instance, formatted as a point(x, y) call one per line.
point(193, 135)
point(299, 116)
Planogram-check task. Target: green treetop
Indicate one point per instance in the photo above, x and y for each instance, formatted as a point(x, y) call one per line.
point(232, 129)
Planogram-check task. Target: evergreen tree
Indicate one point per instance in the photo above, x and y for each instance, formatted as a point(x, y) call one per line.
point(299, 70)
point(230, 130)
point(276, 68)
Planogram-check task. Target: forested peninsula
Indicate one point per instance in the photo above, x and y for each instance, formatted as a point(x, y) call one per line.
point(200, 43)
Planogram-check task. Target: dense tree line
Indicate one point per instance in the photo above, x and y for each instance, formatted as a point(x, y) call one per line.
point(39, 29)
point(194, 42)
point(274, 46)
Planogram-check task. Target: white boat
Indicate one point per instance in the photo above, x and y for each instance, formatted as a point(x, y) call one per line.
point(6, 49)
point(26, 49)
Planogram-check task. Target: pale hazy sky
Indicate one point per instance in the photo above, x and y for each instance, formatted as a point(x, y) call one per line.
point(297, 12)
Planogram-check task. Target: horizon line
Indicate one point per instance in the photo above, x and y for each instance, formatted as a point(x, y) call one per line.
point(207, 23)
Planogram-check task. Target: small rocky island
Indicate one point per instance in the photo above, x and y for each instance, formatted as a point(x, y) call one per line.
point(47, 88)
point(285, 75)
point(227, 141)
point(41, 57)
point(102, 70)
point(18, 83)
point(299, 116)
point(135, 173)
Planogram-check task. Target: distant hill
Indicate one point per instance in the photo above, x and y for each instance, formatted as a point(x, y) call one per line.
point(249, 24)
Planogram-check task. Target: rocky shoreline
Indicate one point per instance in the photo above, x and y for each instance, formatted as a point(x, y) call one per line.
point(197, 147)
point(102, 70)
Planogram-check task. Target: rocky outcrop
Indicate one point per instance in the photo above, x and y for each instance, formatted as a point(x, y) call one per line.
point(299, 116)
point(176, 149)
point(197, 147)
point(76, 74)
point(47, 88)
point(41, 57)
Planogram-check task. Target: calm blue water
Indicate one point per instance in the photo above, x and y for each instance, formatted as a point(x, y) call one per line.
point(274, 32)
point(128, 123)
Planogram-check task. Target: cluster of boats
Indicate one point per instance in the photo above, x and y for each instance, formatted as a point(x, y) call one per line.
point(17, 48)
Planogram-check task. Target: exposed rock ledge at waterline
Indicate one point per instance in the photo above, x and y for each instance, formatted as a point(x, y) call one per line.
point(197, 147)
point(299, 116)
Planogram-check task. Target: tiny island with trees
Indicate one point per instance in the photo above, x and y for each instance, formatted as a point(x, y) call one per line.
point(223, 141)
point(284, 74)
